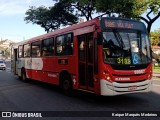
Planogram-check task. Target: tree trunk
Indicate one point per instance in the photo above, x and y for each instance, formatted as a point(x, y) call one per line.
point(149, 27)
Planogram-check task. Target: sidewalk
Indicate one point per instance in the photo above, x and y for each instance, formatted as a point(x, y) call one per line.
point(156, 78)
point(157, 73)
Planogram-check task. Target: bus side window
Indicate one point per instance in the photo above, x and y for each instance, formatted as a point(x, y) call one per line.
point(20, 51)
point(64, 44)
point(59, 44)
point(48, 47)
point(68, 46)
point(26, 50)
point(36, 49)
point(81, 48)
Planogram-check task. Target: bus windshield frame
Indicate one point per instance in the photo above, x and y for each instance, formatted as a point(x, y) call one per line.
point(126, 47)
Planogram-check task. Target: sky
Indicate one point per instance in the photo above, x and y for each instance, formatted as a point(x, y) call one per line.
point(13, 26)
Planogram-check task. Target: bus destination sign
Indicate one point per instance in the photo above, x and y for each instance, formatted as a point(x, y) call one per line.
point(124, 24)
point(119, 24)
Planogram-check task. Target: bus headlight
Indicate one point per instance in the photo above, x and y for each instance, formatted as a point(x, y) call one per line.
point(106, 75)
point(149, 76)
point(108, 78)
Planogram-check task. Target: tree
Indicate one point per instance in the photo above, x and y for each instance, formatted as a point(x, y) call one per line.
point(1, 43)
point(80, 8)
point(68, 11)
point(38, 16)
point(122, 8)
point(152, 8)
point(6, 52)
point(155, 37)
point(64, 12)
point(50, 18)
point(155, 40)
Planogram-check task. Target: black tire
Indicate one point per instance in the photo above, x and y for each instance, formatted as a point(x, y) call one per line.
point(19, 77)
point(23, 75)
point(66, 84)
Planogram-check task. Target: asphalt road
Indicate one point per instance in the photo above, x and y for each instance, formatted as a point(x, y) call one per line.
point(16, 95)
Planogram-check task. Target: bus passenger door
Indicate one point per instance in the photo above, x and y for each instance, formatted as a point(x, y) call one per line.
point(85, 61)
point(14, 61)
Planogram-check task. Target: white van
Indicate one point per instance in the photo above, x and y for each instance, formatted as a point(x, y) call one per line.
point(2, 65)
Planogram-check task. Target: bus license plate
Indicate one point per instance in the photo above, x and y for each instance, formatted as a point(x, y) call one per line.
point(132, 88)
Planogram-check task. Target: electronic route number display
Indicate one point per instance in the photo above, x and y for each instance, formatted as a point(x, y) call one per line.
point(121, 23)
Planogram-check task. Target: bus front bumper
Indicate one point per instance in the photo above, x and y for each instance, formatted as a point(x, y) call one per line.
point(115, 88)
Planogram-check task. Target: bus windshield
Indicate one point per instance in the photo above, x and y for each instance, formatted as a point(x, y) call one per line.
point(126, 47)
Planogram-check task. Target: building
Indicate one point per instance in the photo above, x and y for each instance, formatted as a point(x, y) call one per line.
point(156, 49)
point(5, 43)
point(4, 47)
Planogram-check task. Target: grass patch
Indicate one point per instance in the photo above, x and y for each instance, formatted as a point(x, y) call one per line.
point(156, 69)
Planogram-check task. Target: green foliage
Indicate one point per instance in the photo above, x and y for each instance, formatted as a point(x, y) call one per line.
point(81, 8)
point(50, 18)
point(124, 8)
point(38, 16)
point(156, 69)
point(66, 12)
point(154, 5)
point(155, 37)
point(6, 53)
point(151, 7)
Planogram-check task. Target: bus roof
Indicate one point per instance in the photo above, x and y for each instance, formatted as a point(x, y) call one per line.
point(62, 31)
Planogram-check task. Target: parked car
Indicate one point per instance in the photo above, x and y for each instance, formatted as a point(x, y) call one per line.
point(2, 65)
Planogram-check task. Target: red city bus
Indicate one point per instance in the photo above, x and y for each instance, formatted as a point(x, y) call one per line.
point(107, 56)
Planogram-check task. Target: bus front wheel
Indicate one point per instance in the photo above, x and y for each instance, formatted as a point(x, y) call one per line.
point(66, 85)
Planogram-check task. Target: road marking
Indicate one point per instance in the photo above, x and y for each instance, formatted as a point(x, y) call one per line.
point(156, 85)
point(156, 80)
